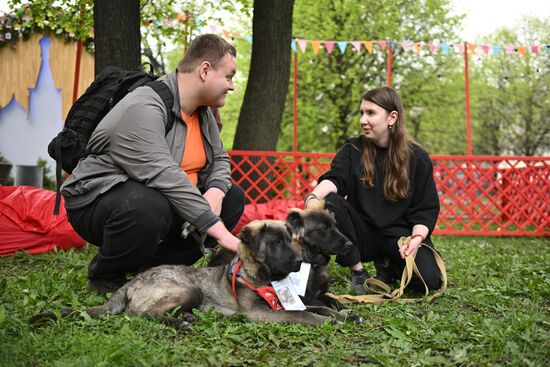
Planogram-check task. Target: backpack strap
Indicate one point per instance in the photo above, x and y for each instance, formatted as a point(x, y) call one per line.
point(168, 98)
point(57, 179)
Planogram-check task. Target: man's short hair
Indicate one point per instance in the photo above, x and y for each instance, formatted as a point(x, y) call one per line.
point(206, 47)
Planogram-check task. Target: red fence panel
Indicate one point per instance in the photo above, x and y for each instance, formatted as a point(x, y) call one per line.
point(479, 195)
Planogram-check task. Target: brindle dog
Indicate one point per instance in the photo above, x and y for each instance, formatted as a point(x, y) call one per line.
point(266, 254)
point(315, 237)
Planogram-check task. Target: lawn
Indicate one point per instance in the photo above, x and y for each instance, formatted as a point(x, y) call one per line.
point(496, 311)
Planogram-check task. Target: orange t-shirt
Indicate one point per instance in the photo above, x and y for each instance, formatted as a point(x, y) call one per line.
point(194, 156)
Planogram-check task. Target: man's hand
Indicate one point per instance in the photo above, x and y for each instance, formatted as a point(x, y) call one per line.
point(214, 196)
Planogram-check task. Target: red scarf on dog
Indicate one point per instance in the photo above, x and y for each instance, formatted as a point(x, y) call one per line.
point(267, 292)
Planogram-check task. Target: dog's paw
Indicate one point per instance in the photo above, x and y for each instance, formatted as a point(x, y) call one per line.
point(353, 317)
point(336, 323)
point(182, 325)
point(189, 317)
point(356, 319)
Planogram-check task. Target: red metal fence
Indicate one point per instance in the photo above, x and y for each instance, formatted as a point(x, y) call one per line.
point(479, 195)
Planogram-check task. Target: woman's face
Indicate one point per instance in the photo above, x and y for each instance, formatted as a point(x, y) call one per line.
point(375, 122)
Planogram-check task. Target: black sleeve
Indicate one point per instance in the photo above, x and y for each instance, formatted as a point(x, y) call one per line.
point(424, 206)
point(340, 170)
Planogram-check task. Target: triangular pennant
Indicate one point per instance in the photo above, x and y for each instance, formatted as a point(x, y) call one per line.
point(329, 45)
point(432, 47)
point(213, 29)
point(249, 39)
point(226, 33)
point(535, 49)
point(342, 45)
point(459, 47)
point(393, 44)
point(302, 44)
point(417, 47)
point(472, 48)
point(445, 48)
point(382, 44)
point(315, 45)
point(405, 46)
point(496, 49)
point(522, 50)
point(293, 45)
point(356, 45)
point(509, 49)
point(368, 46)
point(547, 48)
point(485, 49)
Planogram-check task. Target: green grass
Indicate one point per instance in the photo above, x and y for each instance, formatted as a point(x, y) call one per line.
point(496, 312)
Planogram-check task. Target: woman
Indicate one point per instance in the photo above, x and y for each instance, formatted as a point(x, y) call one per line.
point(380, 187)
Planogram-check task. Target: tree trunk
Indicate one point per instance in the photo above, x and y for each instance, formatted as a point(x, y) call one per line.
point(117, 34)
point(263, 105)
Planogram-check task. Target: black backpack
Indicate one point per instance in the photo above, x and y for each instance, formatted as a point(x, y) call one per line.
point(107, 89)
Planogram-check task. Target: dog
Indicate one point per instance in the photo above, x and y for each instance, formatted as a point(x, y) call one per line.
point(265, 254)
point(315, 237)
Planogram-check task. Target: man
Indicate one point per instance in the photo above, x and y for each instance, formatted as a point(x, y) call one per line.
point(139, 186)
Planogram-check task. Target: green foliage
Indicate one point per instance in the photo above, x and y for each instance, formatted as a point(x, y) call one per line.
point(48, 182)
point(70, 19)
point(495, 312)
point(510, 94)
point(330, 85)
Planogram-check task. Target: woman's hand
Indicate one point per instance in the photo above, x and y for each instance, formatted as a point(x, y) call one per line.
point(411, 247)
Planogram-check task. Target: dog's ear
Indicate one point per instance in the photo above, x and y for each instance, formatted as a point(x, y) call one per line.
point(295, 220)
point(330, 207)
point(246, 235)
point(254, 237)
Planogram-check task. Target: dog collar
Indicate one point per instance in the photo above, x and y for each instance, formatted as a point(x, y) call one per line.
point(267, 292)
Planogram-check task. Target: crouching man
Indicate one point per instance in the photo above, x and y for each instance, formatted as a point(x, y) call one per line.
point(138, 186)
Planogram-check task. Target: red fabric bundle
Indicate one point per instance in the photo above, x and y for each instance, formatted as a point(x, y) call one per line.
point(27, 222)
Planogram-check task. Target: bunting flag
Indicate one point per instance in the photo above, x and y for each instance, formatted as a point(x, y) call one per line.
point(356, 45)
point(472, 48)
point(432, 47)
point(329, 45)
point(315, 45)
point(342, 45)
point(303, 45)
point(405, 46)
point(417, 47)
point(382, 44)
point(293, 45)
point(368, 46)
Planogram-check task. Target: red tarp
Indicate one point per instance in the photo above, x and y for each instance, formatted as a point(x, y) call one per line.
point(275, 209)
point(27, 222)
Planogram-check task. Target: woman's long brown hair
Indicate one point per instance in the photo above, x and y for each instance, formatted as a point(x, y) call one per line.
point(396, 163)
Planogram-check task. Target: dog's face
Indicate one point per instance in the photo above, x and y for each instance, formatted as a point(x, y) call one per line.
point(318, 231)
point(269, 243)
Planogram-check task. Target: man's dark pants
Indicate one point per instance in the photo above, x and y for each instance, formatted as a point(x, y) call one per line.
point(129, 222)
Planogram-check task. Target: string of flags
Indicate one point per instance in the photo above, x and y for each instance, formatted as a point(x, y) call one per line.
point(416, 47)
point(298, 44)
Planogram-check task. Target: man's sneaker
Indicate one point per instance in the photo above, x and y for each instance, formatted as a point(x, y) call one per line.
point(106, 285)
point(358, 279)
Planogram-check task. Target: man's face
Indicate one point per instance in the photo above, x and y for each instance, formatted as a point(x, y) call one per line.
point(219, 81)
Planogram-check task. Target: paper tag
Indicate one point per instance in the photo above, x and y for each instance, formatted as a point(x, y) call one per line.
point(288, 296)
point(299, 278)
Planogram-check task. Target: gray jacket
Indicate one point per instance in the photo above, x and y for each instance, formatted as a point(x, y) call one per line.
point(130, 142)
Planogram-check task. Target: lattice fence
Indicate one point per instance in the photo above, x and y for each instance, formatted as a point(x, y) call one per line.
point(479, 195)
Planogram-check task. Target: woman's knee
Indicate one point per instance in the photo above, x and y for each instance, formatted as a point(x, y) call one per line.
point(427, 266)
